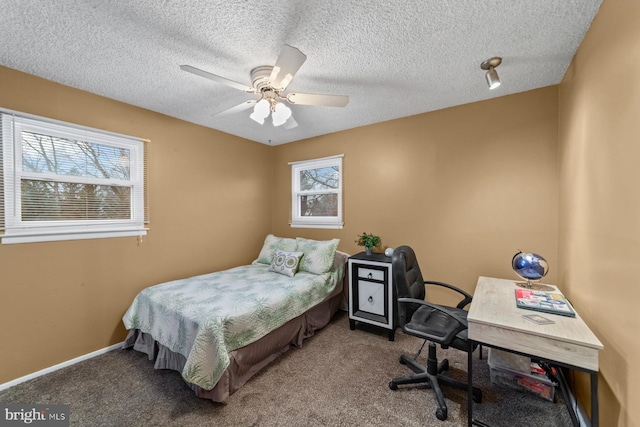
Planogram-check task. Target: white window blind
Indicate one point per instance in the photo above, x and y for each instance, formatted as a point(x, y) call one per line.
point(61, 181)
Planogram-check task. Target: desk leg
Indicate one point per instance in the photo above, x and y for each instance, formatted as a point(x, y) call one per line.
point(571, 400)
point(567, 396)
point(470, 421)
point(470, 384)
point(594, 399)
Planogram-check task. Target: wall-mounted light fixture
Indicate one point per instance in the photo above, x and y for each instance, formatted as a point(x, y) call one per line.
point(492, 75)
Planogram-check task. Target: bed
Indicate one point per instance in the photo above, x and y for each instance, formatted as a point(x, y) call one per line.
point(219, 329)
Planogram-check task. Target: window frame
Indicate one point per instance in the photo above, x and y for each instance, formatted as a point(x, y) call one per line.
point(299, 221)
point(18, 231)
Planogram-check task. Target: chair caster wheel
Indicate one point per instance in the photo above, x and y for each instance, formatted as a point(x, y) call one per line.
point(477, 396)
point(393, 386)
point(441, 414)
point(445, 365)
point(402, 361)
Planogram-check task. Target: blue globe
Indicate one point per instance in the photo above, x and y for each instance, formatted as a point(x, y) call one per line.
point(529, 266)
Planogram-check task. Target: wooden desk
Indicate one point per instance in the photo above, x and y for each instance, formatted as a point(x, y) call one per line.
point(495, 321)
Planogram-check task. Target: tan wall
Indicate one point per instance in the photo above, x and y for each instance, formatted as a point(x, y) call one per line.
point(599, 222)
point(466, 187)
point(210, 209)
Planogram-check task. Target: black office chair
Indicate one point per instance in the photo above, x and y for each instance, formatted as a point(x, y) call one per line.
point(436, 324)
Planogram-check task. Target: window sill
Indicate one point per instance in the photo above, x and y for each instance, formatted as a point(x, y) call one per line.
point(337, 226)
point(13, 238)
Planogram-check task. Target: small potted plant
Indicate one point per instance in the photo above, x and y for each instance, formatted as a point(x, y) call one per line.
point(369, 241)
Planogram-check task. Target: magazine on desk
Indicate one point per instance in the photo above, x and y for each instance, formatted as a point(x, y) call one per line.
point(547, 302)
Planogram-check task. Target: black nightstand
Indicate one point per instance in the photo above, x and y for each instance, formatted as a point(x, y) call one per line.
point(372, 297)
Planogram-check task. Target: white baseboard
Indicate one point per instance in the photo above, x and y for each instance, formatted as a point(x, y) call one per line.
point(60, 366)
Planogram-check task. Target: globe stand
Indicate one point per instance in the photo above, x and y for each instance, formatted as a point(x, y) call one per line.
point(535, 286)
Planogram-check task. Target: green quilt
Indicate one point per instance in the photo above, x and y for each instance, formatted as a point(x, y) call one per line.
point(205, 317)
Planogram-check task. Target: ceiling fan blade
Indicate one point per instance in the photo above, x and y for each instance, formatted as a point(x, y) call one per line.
point(217, 79)
point(317, 99)
point(287, 65)
point(290, 124)
point(240, 107)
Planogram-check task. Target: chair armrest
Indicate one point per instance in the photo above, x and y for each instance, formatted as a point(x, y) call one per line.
point(444, 309)
point(467, 297)
point(446, 340)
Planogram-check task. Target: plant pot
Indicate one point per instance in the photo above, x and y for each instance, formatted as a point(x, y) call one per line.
point(368, 251)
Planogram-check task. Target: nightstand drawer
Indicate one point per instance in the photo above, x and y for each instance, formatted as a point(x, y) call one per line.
point(371, 274)
point(371, 297)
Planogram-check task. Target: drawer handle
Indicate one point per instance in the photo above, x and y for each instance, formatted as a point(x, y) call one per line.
point(370, 276)
point(370, 300)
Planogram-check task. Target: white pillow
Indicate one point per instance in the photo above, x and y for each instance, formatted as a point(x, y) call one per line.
point(271, 243)
point(285, 262)
point(318, 254)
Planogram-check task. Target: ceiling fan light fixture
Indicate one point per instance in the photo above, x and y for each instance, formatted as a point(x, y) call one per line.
point(492, 75)
point(260, 111)
point(270, 82)
point(280, 114)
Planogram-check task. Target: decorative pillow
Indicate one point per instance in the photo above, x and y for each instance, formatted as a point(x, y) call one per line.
point(318, 254)
point(285, 262)
point(271, 244)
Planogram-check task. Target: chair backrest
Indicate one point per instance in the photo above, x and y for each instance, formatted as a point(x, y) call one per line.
point(407, 279)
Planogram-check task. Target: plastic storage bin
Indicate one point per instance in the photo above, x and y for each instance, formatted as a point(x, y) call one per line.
point(511, 361)
point(539, 385)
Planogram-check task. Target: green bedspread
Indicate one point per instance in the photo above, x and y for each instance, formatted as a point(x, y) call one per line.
point(205, 317)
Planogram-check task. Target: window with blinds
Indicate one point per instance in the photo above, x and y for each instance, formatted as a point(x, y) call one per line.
point(316, 193)
point(61, 181)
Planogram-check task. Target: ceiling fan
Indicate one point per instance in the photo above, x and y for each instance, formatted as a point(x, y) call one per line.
point(270, 82)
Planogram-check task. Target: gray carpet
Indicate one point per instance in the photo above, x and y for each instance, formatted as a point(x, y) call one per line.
point(338, 377)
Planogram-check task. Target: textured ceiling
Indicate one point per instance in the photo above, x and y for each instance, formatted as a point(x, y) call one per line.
point(393, 58)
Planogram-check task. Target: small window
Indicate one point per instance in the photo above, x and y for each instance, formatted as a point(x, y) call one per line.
point(317, 193)
point(65, 182)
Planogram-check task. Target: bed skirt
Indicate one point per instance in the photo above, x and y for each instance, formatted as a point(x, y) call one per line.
point(245, 362)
